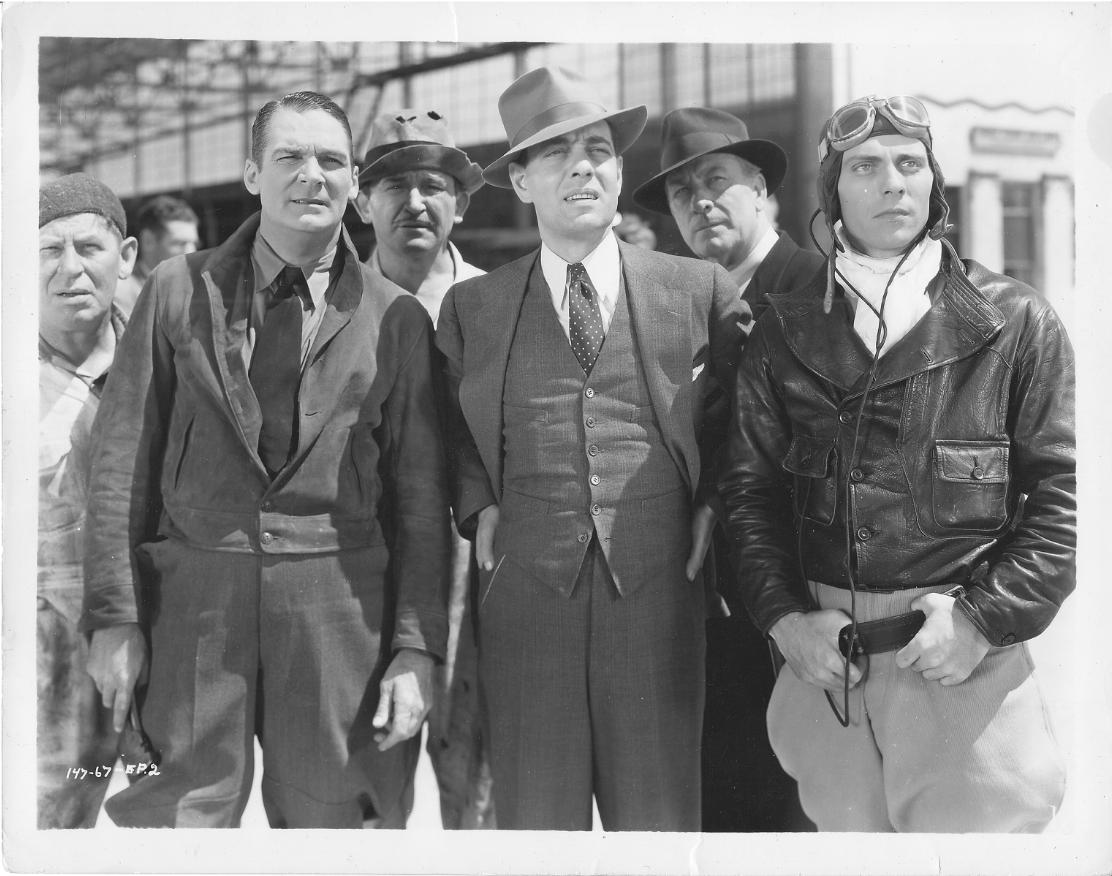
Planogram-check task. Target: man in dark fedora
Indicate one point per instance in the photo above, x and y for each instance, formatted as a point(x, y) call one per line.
point(581, 458)
point(414, 187)
point(716, 181)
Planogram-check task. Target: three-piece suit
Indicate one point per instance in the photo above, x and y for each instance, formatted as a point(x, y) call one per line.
point(273, 606)
point(592, 639)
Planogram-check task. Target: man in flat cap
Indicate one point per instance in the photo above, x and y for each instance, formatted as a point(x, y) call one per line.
point(84, 252)
point(576, 382)
point(414, 187)
point(268, 505)
point(716, 181)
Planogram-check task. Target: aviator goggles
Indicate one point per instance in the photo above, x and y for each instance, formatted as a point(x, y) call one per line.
point(853, 123)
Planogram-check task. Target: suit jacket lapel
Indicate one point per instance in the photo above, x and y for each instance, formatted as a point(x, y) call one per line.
point(660, 317)
point(487, 355)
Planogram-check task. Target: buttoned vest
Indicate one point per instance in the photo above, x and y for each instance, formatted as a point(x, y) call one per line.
point(585, 456)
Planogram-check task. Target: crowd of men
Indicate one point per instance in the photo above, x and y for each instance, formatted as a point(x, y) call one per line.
point(750, 542)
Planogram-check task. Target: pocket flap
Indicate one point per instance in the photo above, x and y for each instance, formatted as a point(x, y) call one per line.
point(972, 461)
point(809, 456)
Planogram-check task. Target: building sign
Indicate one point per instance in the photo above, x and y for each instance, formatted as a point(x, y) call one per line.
point(1009, 141)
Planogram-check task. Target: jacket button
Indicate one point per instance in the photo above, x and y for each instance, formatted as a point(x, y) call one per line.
point(978, 473)
point(864, 533)
point(266, 506)
point(595, 480)
point(1008, 639)
point(266, 538)
point(590, 422)
point(596, 510)
point(593, 450)
point(582, 537)
point(589, 392)
point(857, 475)
point(845, 418)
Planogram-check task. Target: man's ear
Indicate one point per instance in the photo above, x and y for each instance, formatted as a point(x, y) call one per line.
point(463, 201)
point(362, 204)
point(761, 188)
point(354, 190)
point(129, 248)
point(517, 179)
point(251, 176)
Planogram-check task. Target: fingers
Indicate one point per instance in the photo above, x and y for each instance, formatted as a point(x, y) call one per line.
point(385, 701)
point(121, 705)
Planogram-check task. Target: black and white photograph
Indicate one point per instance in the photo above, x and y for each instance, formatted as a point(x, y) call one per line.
point(570, 437)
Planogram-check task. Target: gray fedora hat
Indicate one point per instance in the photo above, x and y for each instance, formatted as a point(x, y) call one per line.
point(407, 138)
point(693, 132)
point(551, 101)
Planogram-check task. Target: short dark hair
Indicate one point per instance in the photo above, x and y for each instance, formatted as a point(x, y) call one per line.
point(155, 213)
point(299, 102)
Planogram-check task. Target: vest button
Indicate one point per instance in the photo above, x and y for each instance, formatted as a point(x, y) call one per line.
point(582, 537)
point(845, 418)
point(590, 422)
point(857, 475)
point(589, 392)
point(595, 480)
point(864, 533)
point(596, 509)
point(266, 538)
point(593, 450)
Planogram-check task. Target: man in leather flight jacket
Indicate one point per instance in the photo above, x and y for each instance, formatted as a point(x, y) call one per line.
point(922, 459)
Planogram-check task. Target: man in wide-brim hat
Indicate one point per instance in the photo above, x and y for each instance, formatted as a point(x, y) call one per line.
point(716, 181)
point(414, 187)
point(576, 379)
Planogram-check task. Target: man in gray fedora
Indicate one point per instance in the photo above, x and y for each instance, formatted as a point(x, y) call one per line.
point(715, 181)
point(414, 188)
point(576, 379)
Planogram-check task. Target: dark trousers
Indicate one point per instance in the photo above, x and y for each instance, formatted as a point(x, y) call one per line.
point(593, 694)
point(291, 648)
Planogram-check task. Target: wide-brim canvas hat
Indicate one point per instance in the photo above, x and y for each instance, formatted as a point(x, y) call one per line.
point(407, 138)
point(693, 132)
point(550, 102)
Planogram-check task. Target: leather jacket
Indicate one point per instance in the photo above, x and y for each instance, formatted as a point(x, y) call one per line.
point(961, 470)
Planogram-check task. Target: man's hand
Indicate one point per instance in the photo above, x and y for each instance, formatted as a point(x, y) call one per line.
point(809, 642)
point(484, 537)
point(404, 697)
point(117, 662)
point(947, 647)
point(702, 527)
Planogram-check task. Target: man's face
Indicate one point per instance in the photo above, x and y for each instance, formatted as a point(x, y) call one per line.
point(413, 211)
point(884, 189)
point(177, 238)
point(717, 201)
point(306, 177)
point(81, 258)
point(573, 181)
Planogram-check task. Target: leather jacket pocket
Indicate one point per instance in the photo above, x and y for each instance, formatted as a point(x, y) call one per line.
point(816, 493)
point(970, 484)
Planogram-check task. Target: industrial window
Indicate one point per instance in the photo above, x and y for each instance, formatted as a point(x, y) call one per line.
point(1019, 203)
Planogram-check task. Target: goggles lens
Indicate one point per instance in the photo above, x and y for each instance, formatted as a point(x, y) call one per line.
point(853, 122)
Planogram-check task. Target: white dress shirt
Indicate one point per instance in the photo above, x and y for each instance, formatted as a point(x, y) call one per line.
point(603, 265)
point(744, 272)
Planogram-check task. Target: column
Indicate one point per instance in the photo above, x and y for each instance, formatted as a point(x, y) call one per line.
point(982, 234)
point(1056, 243)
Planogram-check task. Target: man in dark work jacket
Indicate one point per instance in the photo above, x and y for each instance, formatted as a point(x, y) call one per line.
point(715, 181)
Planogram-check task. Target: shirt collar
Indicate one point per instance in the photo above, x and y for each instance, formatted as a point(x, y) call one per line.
point(603, 265)
point(96, 364)
point(267, 265)
point(744, 272)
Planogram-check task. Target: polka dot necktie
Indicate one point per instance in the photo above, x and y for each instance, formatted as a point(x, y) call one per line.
point(584, 317)
point(275, 371)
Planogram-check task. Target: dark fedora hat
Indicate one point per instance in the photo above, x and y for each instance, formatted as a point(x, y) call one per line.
point(408, 138)
point(693, 132)
point(549, 102)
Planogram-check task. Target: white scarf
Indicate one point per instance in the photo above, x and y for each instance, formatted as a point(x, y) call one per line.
point(907, 300)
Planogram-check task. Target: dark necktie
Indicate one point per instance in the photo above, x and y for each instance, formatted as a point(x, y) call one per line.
point(584, 317)
point(276, 367)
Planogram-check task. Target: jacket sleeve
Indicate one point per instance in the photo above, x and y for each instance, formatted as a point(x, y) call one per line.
point(126, 450)
point(730, 321)
point(471, 490)
point(758, 492)
point(415, 491)
point(1034, 571)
